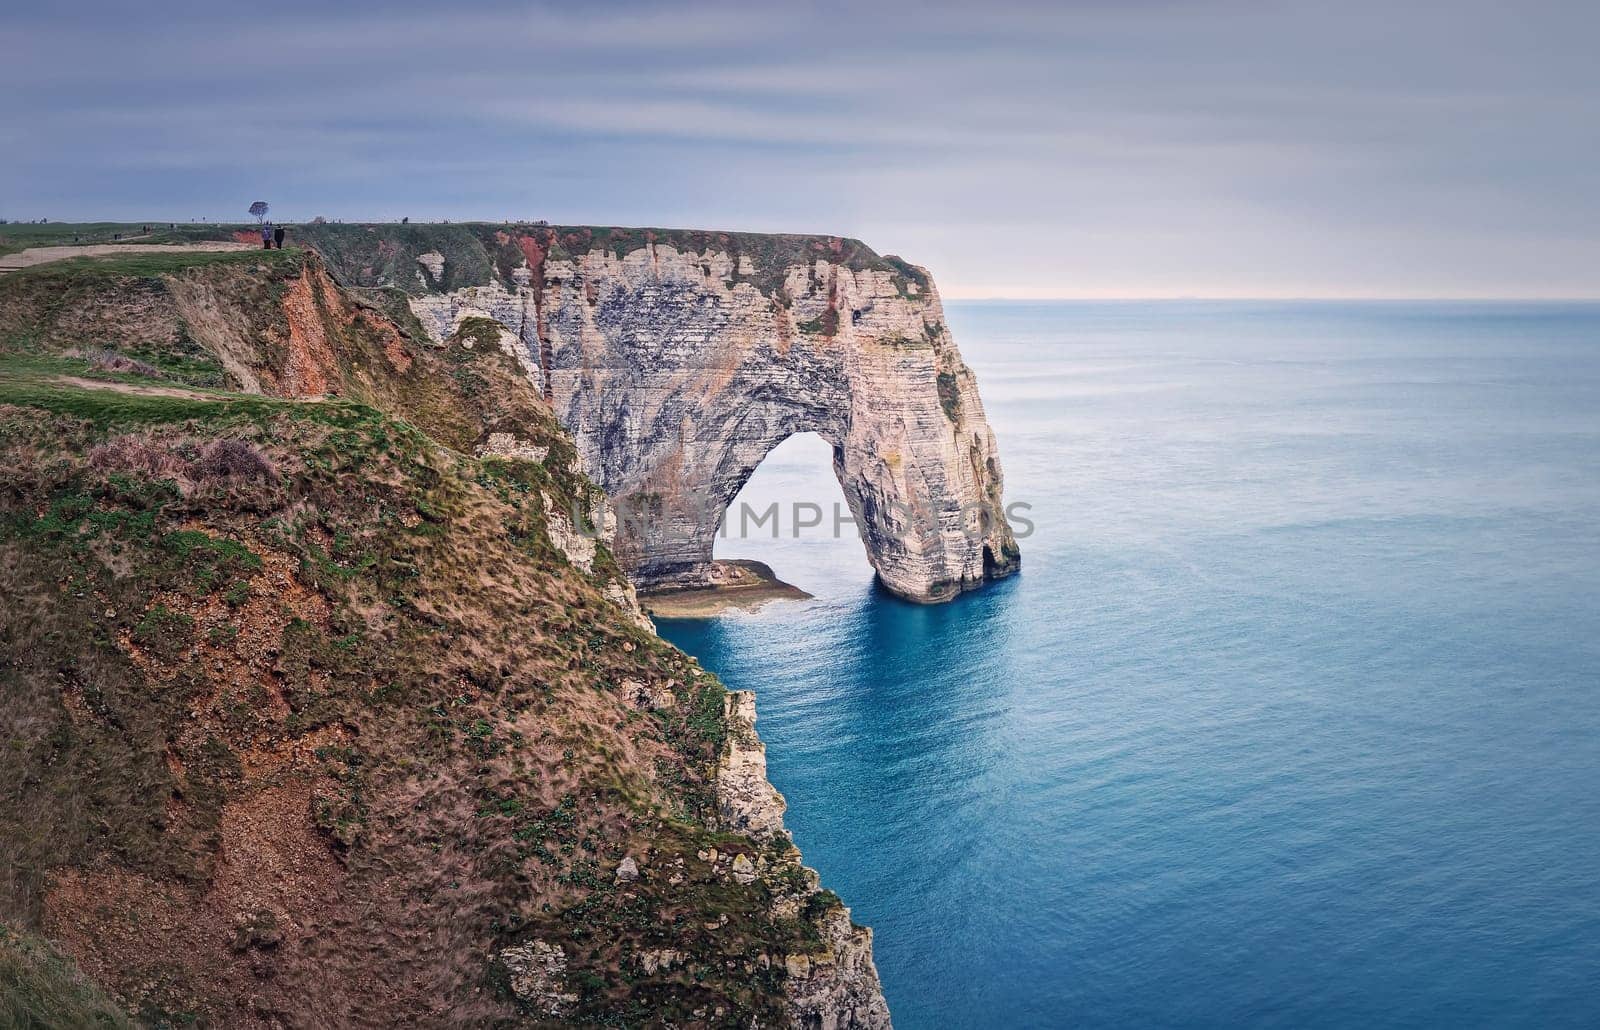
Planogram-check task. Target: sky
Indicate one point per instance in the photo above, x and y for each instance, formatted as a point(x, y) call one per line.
point(1139, 148)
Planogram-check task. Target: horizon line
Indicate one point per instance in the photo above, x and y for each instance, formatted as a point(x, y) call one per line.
point(997, 298)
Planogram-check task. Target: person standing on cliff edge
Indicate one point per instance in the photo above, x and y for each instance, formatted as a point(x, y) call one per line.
point(266, 235)
point(277, 236)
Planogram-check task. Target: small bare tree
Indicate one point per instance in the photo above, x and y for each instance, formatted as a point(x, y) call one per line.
point(259, 210)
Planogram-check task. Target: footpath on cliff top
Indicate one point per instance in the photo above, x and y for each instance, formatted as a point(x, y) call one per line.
point(44, 255)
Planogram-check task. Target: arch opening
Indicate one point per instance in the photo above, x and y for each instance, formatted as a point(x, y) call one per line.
point(792, 517)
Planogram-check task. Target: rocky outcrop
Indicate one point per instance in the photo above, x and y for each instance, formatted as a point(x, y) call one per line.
point(838, 988)
point(536, 974)
point(678, 360)
point(746, 800)
point(835, 987)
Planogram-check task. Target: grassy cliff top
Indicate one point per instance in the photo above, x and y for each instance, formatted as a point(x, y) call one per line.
point(15, 236)
point(384, 254)
point(476, 253)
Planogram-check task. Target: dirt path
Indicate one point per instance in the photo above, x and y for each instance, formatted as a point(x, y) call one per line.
point(141, 390)
point(137, 389)
point(41, 255)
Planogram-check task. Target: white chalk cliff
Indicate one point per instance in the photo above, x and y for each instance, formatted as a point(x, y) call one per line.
point(679, 360)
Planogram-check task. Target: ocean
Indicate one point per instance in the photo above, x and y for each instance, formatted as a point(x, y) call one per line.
point(1292, 718)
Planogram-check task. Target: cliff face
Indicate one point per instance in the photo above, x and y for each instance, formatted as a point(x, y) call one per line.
point(836, 987)
point(678, 360)
point(315, 716)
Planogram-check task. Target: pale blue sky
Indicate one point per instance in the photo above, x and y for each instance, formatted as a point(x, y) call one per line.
point(1072, 149)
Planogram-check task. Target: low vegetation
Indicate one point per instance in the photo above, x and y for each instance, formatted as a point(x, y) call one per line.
point(950, 395)
point(42, 990)
point(17, 236)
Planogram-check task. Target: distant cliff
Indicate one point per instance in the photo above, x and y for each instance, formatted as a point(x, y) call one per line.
point(679, 359)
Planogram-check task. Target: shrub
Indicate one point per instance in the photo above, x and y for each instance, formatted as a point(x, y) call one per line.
point(950, 395)
point(229, 459)
point(137, 453)
point(165, 633)
point(112, 361)
point(232, 458)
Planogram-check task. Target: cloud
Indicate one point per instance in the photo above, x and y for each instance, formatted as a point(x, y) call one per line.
point(1235, 147)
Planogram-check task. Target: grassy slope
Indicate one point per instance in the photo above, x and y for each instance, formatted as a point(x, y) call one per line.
point(331, 738)
point(127, 303)
point(42, 990)
point(281, 307)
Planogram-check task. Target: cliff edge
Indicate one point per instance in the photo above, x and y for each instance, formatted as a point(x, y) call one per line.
point(315, 709)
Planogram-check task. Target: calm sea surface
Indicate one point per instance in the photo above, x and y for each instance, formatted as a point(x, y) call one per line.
point(1292, 718)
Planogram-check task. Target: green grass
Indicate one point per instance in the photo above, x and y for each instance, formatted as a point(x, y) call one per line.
point(484, 332)
point(109, 407)
point(42, 990)
point(37, 303)
point(15, 236)
point(384, 255)
point(905, 273)
point(191, 365)
point(30, 380)
point(17, 364)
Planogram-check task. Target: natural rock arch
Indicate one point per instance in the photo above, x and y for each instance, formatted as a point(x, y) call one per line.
point(676, 385)
point(786, 498)
point(677, 366)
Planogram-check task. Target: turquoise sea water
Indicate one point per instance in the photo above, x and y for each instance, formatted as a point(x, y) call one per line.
point(1292, 718)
